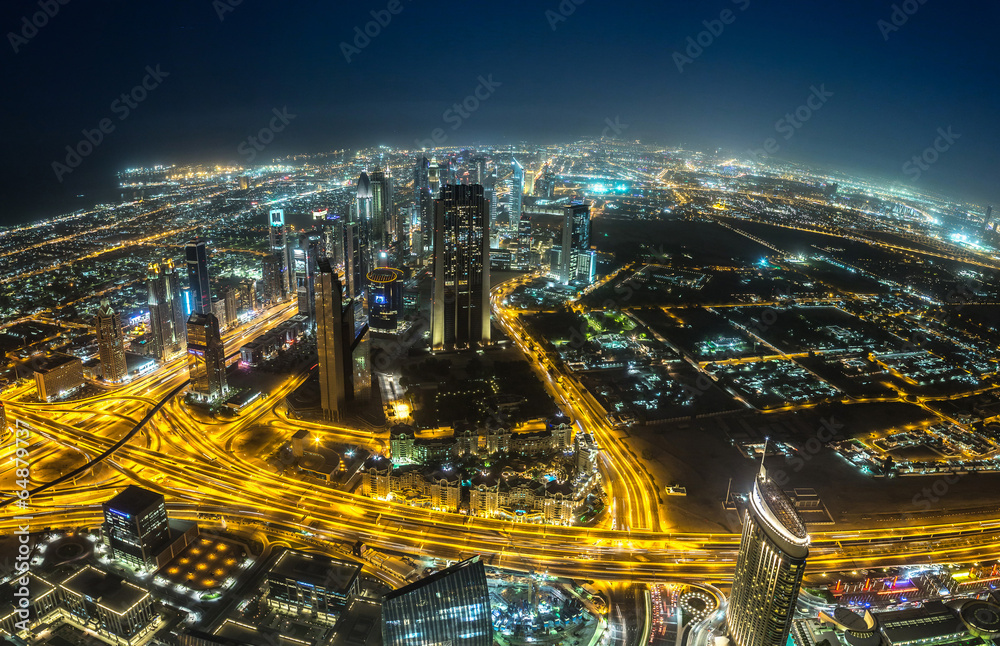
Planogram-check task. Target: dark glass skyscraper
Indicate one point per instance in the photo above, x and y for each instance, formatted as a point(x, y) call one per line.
point(576, 260)
point(334, 336)
point(166, 314)
point(197, 271)
point(769, 568)
point(135, 526)
point(460, 308)
point(449, 607)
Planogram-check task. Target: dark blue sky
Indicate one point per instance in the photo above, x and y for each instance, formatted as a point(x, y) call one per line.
point(605, 60)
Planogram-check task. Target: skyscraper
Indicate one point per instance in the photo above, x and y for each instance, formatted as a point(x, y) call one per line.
point(354, 260)
point(769, 568)
point(135, 526)
point(383, 225)
point(576, 261)
point(110, 343)
point(166, 313)
point(305, 256)
point(363, 219)
point(448, 607)
point(334, 335)
point(206, 357)
point(277, 234)
point(271, 278)
point(197, 271)
point(515, 196)
point(460, 309)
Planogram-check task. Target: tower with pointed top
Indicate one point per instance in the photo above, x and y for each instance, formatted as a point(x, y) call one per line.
point(769, 567)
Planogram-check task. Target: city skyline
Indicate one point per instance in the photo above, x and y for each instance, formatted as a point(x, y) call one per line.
point(879, 117)
point(630, 325)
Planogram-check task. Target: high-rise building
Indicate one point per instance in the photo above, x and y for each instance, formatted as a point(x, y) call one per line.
point(271, 278)
point(354, 260)
point(206, 358)
point(385, 303)
point(515, 196)
point(197, 271)
point(460, 308)
point(110, 343)
point(363, 249)
point(278, 237)
point(305, 256)
point(989, 213)
point(334, 333)
point(769, 568)
point(135, 526)
point(575, 257)
point(166, 313)
point(421, 177)
point(383, 232)
point(448, 607)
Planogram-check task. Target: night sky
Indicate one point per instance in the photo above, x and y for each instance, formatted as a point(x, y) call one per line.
point(605, 61)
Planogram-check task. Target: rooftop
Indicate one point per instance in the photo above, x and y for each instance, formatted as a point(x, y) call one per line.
point(134, 500)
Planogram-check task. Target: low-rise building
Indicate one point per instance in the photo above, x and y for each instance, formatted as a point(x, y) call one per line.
point(58, 376)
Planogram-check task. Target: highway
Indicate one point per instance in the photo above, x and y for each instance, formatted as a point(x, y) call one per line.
point(190, 459)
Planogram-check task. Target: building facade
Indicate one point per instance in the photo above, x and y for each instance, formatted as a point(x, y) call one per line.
point(449, 607)
point(206, 358)
point(460, 309)
point(196, 255)
point(110, 343)
point(769, 568)
point(166, 313)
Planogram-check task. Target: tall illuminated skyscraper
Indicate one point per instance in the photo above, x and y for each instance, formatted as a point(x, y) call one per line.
point(166, 313)
point(206, 357)
point(577, 261)
point(460, 308)
point(272, 280)
point(197, 271)
point(305, 256)
point(515, 197)
point(383, 225)
point(278, 237)
point(363, 249)
point(448, 607)
point(110, 343)
point(769, 568)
